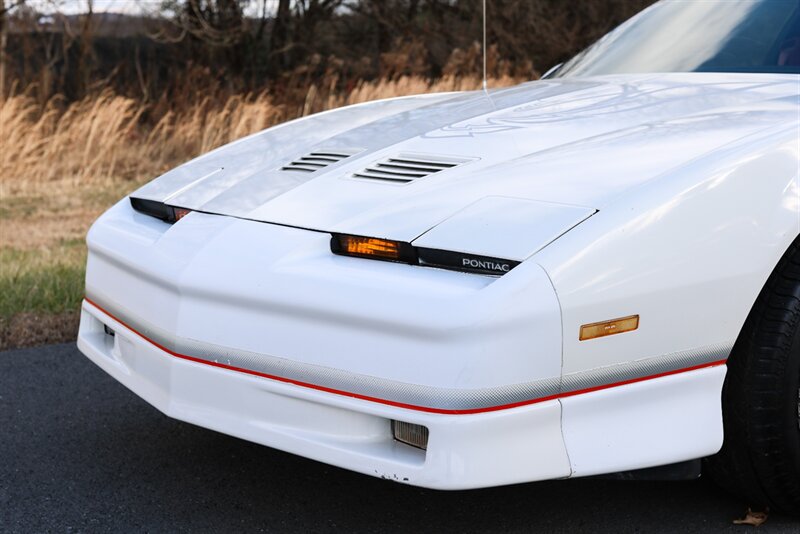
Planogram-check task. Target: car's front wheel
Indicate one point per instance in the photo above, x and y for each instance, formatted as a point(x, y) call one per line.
point(760, 458)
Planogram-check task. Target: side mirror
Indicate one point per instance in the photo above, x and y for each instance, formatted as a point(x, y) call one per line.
point(550, 71)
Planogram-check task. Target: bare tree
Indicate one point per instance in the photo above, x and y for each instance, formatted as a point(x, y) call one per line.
point(279, 42)
point(85, 48)
point(5, 8)
point(219, 23)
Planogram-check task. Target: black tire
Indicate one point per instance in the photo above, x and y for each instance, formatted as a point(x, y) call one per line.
point(760, 458)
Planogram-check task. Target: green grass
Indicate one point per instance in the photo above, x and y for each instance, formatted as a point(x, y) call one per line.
point(43, 258)
point(42, 281)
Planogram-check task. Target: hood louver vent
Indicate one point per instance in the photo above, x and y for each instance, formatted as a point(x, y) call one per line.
point(406, 168)
point(315, 161)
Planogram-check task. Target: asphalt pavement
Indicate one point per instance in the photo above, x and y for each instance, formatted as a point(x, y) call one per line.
point(81, 453)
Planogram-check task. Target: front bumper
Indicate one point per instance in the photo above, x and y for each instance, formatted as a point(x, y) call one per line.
point(464, 451)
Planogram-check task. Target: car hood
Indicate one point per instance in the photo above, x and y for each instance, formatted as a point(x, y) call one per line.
point(567, 147)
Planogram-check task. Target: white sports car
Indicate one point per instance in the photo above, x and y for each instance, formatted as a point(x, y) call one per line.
point(594, 273)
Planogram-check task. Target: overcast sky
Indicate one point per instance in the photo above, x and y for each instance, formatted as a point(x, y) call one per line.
point(100, 6)
point(105, 6)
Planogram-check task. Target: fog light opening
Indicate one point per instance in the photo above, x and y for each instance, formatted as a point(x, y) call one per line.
point(410, 434)
point(108, 331)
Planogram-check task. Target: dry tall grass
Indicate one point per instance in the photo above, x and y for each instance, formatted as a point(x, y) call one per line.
point(86, 139)
point(104, 138)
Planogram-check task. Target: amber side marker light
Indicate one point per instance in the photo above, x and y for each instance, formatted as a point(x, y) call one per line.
point(609, 328)
point(372, 247)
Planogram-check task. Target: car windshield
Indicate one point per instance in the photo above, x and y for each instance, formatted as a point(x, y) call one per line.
point(698, 36)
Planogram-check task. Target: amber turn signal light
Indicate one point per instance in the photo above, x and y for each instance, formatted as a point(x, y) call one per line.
point(372, 247)
point(609, 328)
point(375, 248)
point(159, 210)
